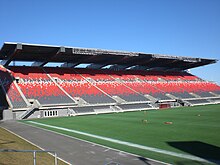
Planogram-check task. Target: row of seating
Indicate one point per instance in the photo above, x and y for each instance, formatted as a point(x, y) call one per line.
point(108, 83)
point(134, 106)
point(130, 81)
point(33, 73)
point(9, 87)
point(198, 101)
point(100, 86)
point(44, 92)
point(37, 85)
point(132, 85)
point(123, 75)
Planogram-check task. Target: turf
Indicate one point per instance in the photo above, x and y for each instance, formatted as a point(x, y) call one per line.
point(194, 131)
point(10, 141)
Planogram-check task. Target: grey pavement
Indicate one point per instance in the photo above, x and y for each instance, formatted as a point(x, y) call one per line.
point(72, 150)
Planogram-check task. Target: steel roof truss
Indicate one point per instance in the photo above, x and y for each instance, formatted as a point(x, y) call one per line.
point(10, 56)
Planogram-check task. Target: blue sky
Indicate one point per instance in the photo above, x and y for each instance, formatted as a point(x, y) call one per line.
point(172, 27)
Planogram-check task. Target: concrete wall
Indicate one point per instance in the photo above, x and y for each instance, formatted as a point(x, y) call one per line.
point(7, 115)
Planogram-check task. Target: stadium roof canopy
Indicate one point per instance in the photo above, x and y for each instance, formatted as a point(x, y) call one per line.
point(40, 55)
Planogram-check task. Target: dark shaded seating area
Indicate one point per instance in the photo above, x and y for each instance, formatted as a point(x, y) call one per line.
point(198, 101)
point(9, 87)
point(183, 95)
point(83, 109)
point(134, 106)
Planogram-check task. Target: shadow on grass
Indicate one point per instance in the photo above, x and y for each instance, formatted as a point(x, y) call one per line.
point(203, 150)
point(3, 141)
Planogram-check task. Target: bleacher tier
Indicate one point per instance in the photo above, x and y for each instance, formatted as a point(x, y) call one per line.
point(217, 92)
point(77, 86)
point(109, 84)
point(200, 88)
point(9, 87)
point(215, 100)
point(35, 84)
point(115, 88)
point(183, 95)
point(141, 106)
point(85, 110)
point(62, 86)
point(198, 101)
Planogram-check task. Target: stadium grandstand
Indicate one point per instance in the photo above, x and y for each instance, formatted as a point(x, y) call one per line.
point(110, 81)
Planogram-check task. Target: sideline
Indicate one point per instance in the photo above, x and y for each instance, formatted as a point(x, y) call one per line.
point(93, 143)
point(191, 157)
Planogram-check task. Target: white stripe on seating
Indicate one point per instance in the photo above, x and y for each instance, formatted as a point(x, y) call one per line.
point(191, 157)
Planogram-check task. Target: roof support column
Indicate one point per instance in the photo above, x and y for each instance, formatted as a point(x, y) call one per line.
point(118, 67)
point(95, 66)
point(69, 65)
point(12, 54)
point(42, 63)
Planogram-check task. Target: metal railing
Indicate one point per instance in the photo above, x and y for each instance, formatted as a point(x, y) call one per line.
point(34, 153)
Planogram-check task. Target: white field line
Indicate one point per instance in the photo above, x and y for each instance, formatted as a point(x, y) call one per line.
point(92, 143)
point(191, 157)
point(34, 145)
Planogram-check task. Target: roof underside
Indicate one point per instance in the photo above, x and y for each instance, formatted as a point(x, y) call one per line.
point(40, 55)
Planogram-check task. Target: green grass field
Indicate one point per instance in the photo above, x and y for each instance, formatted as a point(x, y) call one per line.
point(194, 131)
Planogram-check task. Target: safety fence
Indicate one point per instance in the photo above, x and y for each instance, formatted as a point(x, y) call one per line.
point(34, 153)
